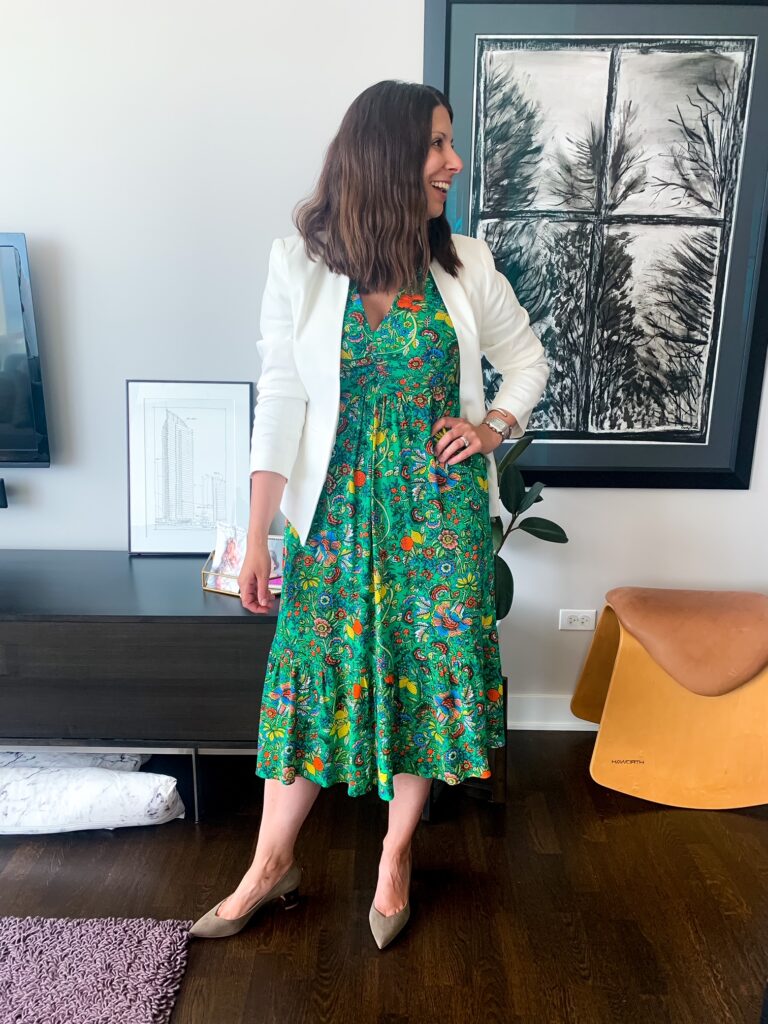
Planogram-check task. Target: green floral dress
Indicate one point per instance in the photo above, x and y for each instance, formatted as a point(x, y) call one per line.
point(386, 654)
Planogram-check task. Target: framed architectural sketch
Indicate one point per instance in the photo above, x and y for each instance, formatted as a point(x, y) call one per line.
point(188, 463)
point(616, 161)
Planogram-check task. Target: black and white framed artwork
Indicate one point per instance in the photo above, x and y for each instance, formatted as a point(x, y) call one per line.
point(188, 463)
point(616, 160)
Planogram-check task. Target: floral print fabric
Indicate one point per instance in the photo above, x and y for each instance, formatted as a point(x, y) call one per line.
point(385, 657)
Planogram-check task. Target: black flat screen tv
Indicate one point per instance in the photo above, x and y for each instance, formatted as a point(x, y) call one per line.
point(23, 430)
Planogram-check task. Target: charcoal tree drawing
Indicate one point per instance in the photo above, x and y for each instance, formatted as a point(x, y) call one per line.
point(604, 178)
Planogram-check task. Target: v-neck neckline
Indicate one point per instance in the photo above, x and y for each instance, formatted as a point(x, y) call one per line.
point(387, 315)
point(375, 330)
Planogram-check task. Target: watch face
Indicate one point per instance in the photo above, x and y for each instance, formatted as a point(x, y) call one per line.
point(499, 425)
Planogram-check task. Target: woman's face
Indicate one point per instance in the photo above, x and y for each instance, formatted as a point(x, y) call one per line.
point(442, 163)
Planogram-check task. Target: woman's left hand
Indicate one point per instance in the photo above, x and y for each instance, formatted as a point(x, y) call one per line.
point(449, 448)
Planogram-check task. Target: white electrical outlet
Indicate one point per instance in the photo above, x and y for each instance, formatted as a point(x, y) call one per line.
point(577, 618)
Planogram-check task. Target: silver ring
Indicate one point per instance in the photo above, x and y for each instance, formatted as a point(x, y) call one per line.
point(466, 442)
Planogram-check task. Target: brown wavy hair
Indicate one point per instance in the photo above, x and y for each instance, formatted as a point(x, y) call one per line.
point(367, 217)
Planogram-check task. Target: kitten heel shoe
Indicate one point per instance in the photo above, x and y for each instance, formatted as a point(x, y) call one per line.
point(286, 888)
point(386, 926)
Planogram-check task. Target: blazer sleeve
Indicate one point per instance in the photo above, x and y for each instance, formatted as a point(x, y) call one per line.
point(281, 403)
point(509, 343)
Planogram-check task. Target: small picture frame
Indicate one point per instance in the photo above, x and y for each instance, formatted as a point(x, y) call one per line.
point(221, 571)
point(276, 550)
point(188, 462)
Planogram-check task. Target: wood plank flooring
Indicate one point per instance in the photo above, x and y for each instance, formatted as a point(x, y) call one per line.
point(571, 904)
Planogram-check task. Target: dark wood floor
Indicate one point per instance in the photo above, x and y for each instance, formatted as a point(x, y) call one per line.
point(571, 903)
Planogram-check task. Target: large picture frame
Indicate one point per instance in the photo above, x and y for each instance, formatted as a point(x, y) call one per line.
point(188, 463)
point(616, 160)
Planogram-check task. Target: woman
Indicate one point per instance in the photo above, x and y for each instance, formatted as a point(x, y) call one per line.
point(371, 435)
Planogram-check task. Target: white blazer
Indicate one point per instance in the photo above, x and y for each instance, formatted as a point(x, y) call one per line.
point(297, 407)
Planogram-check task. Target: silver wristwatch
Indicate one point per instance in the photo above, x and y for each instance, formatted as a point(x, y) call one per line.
point(498, 424)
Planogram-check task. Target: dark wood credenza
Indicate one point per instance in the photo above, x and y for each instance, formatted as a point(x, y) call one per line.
point(98, 649)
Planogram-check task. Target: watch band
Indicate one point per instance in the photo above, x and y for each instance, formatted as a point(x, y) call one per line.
point(499, 425)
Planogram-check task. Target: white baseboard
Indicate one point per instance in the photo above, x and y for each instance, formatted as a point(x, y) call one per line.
point(544, 711)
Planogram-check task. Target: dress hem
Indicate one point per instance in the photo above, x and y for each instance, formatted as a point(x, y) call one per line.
point(355, 791)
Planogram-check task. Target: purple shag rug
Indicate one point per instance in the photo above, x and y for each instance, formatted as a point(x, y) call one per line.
point(106, 970)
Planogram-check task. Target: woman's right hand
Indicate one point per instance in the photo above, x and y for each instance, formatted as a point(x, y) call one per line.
point(255, 594)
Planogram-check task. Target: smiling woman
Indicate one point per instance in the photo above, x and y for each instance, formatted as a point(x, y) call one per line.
point(375, 214)
point(443, 162)
point(385, 671)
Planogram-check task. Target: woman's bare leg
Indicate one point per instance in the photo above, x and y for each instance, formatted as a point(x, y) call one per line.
point(286, 807)
point(405, 809)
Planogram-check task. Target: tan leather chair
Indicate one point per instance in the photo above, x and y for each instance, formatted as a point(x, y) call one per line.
point(678, 681)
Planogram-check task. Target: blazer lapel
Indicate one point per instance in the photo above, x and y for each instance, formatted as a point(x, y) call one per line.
point(318, 333)
point(464, 323)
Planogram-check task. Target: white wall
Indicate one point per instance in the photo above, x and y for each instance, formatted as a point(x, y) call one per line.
point(151, 152)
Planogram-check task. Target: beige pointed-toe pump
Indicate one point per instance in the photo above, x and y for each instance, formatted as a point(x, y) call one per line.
point(386, 926)
point(211, 926)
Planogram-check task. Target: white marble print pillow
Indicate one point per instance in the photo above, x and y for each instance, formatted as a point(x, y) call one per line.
point(43, 758)
point(37, 800)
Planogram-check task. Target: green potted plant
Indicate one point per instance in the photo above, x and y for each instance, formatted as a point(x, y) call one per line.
point(517, 499)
